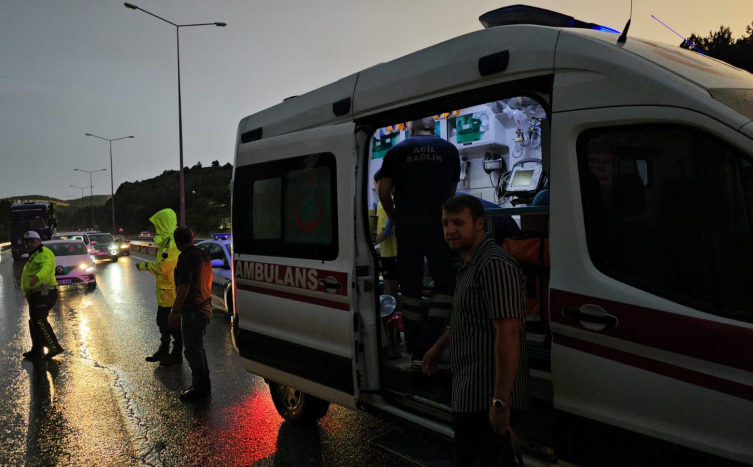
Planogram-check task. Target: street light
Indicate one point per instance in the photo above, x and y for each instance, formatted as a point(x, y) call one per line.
point(81, 203)
point(180, 114)
point(91, 188)
point(112, 192)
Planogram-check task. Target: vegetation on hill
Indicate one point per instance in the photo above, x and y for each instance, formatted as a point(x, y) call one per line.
point(720, 45)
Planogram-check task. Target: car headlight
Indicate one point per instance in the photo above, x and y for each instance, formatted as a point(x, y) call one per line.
point(83, 266)
point(124, 246)
point(89, 269)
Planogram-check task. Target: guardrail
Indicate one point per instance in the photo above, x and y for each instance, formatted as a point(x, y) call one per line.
point(147, 248)
point(4, 246)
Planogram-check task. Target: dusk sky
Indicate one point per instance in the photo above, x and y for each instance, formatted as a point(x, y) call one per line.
point(70, 67)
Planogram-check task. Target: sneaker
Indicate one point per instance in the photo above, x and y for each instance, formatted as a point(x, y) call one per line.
point(171, 360)
point(158, 356)
point(192, 394)
point(33, 355)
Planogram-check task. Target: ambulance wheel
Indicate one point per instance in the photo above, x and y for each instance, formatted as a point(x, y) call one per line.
point(296, 406)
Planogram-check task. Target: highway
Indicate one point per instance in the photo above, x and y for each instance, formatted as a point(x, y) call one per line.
point(100, 403)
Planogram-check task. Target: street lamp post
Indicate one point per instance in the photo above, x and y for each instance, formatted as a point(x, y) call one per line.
point(81, 203)
point(112, 192)
point(180, 112)
point(91, 188)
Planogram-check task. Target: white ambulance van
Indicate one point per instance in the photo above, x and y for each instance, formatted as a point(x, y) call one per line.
point(642, 352)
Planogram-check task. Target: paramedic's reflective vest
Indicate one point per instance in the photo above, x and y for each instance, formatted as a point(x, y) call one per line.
point(165, 222)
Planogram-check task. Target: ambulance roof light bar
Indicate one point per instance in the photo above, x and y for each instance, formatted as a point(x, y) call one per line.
point(524, 14)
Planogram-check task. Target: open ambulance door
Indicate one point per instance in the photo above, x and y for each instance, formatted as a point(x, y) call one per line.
point(650, 288)
point(293, 246)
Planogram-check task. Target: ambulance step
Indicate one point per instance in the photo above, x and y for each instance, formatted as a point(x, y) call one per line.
point(414, 451)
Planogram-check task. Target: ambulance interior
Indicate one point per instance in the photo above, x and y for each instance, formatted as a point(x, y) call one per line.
point(500, 147)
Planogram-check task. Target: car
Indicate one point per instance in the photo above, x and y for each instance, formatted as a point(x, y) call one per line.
point(83, 236)
point(221, 251)
point(146, 235)
point(123, 246)
point(104, 246)
point(73, 263)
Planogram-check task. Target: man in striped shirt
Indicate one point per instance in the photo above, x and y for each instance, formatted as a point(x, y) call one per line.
point(486, 339)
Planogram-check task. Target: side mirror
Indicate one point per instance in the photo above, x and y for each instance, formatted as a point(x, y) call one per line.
point(93, 243)
point(218, 263)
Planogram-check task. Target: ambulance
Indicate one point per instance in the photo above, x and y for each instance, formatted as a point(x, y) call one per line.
point(641, 351)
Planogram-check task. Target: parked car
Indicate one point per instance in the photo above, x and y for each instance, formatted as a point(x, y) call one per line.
point(123, 246)
point(104, 246)
point(82, 236)
point(220, 249)
point(73, 263)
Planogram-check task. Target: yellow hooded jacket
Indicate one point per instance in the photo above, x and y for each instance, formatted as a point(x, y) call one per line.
point(165, 222)
point(41, 264)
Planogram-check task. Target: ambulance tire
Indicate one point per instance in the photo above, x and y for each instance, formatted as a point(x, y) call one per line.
point(296, 406)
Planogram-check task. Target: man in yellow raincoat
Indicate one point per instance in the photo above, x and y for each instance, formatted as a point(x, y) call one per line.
point(165, 222)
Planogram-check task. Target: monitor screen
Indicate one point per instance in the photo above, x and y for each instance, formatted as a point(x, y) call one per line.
point(522, 178)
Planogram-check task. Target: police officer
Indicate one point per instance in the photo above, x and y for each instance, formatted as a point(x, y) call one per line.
point(165, 222)
point(38, 281)
point(424, 171)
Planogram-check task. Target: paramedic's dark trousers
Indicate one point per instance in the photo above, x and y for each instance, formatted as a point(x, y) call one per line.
point(194, 327)
point(477, 445)
point(166, 332)
point(41, 332)
point(419, 237)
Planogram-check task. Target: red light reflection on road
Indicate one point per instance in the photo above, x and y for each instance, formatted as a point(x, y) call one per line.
point(250, 429)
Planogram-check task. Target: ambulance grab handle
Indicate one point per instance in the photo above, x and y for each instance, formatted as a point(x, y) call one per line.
point(576, 314)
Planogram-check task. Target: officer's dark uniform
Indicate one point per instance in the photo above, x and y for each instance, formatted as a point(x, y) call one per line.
point(425, 171)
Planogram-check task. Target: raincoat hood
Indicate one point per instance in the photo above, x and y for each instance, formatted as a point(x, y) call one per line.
point(165, 222)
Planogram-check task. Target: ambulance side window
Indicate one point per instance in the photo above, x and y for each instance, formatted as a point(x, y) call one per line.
point(669, 209)
point(287, 208)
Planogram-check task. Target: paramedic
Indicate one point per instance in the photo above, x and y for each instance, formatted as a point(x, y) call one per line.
point(165, 222)
point(424, 171)
point(193, 306)
point(387, 246)
point(38, 281)
point(486, 339)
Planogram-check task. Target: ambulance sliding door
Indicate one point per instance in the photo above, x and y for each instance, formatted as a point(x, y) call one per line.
point(294, 262)
point(651, 318)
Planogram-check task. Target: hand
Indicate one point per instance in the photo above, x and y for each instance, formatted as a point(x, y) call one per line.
point(431, 359)
point(173, 320)
point(499, 419)
point(388, 227)
point(33, 280)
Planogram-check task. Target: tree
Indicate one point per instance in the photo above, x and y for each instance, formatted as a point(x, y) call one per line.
point(197, 166)
point(215, 163)
point(720, 45)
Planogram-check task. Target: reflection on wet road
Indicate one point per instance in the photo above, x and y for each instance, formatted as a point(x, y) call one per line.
point(100, 403)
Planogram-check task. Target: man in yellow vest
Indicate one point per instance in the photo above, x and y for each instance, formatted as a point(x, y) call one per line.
point(38, 281)
point(165, 222)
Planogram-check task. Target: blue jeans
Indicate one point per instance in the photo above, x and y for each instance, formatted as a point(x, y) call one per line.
point(194, 325)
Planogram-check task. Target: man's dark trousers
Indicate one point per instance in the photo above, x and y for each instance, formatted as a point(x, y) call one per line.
point(194, 327)
point(476, 444)
point(165, 331)
point(40, 329)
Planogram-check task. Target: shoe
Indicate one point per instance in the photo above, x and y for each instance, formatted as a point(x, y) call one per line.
point(171, 360)
point(53, 353)
point(33, 355)
point(158, 356)
point(192, 394)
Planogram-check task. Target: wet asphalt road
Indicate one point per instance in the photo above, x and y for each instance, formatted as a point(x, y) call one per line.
point(100, 403)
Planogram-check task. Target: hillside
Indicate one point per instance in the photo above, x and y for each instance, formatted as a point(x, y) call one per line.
point(207, 202)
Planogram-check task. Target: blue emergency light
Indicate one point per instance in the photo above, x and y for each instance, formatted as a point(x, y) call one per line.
point(524, 14)
point(221, 236)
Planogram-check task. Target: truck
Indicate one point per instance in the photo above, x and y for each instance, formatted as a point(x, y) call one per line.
point(640, 351)
point(30, 216)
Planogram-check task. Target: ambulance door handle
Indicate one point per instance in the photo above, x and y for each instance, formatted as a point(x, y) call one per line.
point(591, 317)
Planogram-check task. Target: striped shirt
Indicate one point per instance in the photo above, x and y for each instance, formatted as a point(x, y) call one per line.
point(489, 286)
